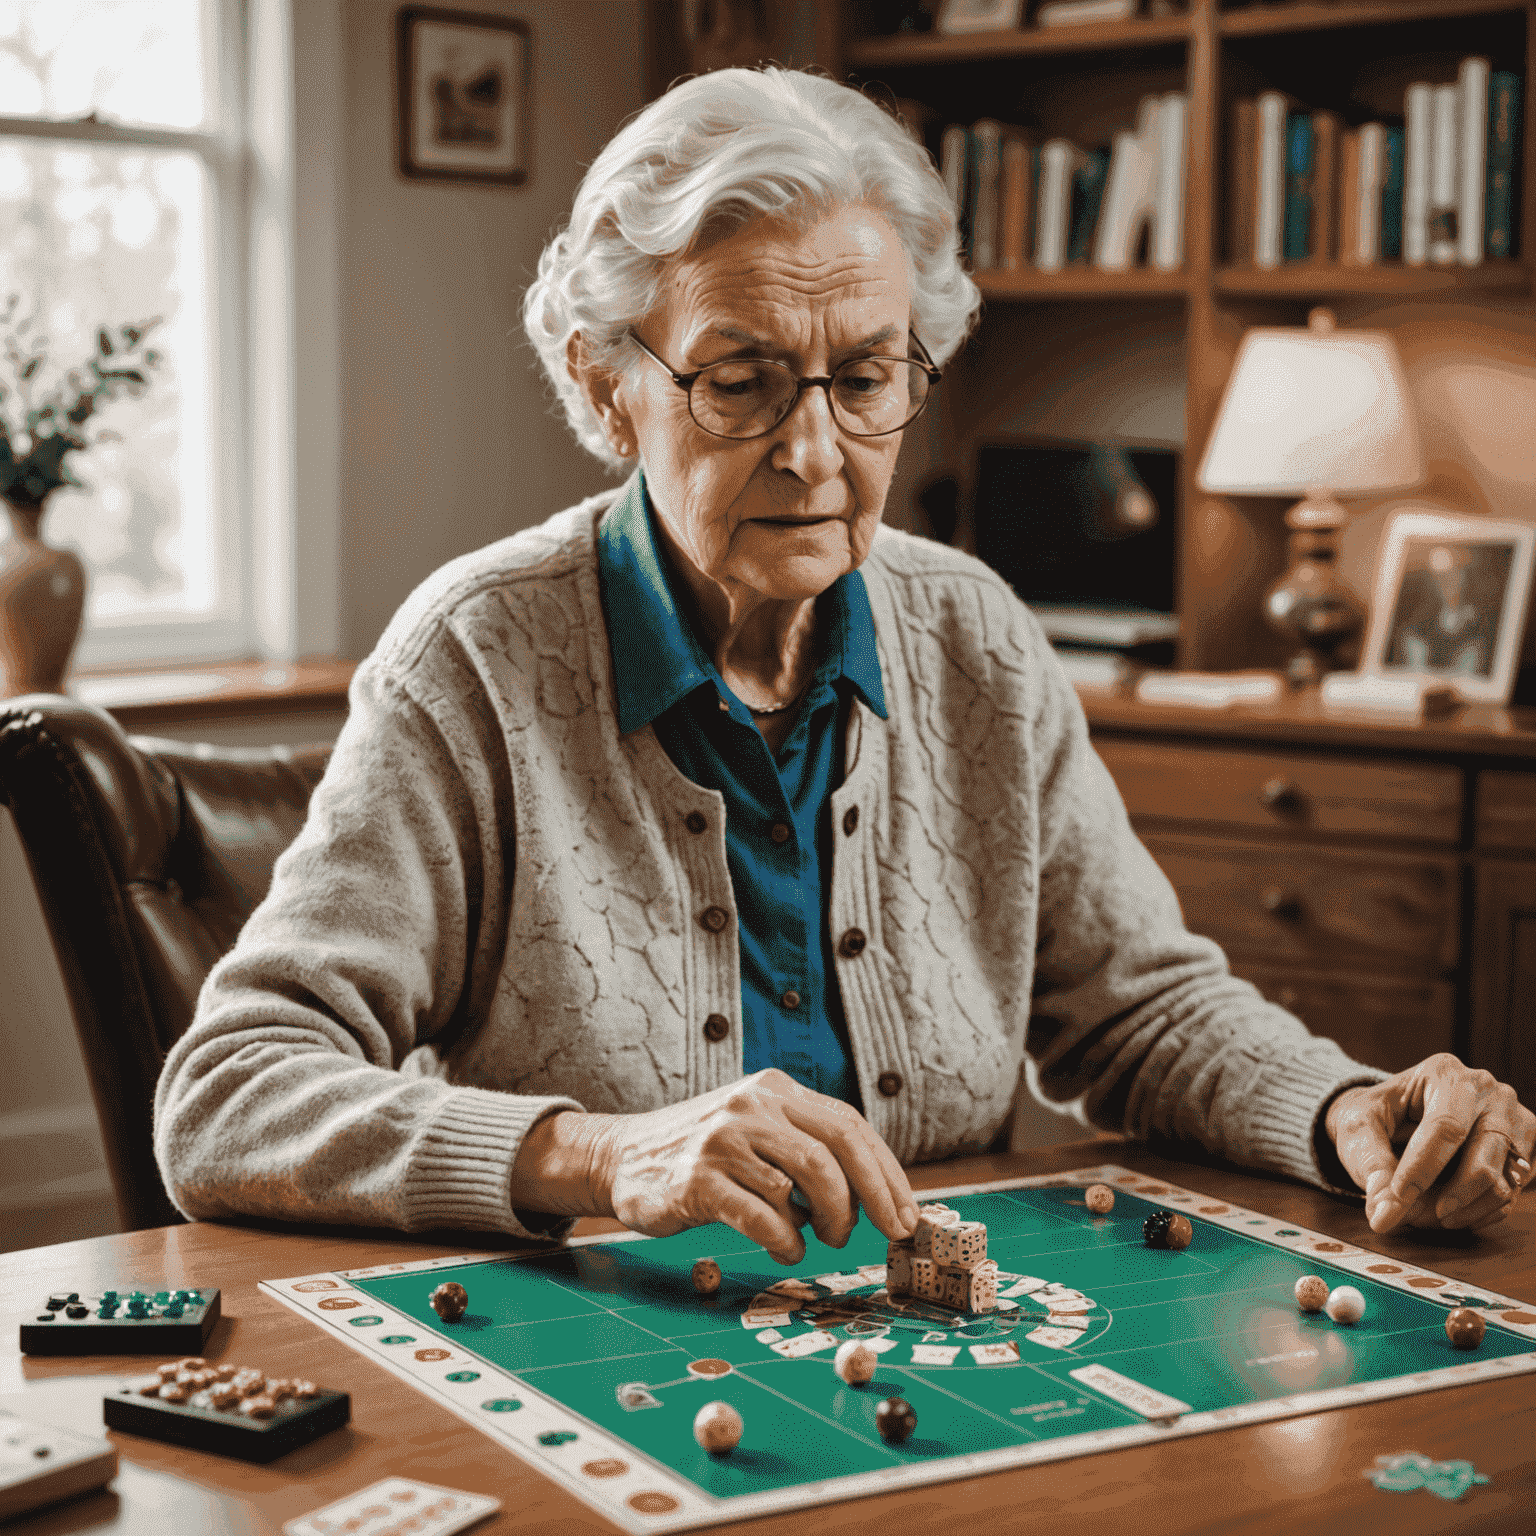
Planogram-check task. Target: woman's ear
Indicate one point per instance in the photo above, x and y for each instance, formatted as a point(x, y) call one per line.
point(600, 387)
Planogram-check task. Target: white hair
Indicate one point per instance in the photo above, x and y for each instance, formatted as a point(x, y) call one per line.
point(712, 154)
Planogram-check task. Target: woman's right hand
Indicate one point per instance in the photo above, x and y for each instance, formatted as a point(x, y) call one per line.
point(732, 1155)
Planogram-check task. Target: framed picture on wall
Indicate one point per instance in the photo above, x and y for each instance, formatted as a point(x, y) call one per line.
point(1451, 599)
point(463, 83)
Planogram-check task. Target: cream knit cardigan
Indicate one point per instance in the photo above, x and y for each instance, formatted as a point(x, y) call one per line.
point(493, 911)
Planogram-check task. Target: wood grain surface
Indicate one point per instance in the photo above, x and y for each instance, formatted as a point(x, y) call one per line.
point(1301, 1474)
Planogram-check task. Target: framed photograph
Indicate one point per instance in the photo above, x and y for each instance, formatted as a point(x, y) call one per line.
point(463, 82)
point(1451, 600)
point(958, 17)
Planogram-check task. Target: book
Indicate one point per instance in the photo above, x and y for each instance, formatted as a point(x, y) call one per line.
point(954, 154)
point(1269, 184)
point(1076, 13)
point(1321, 244)
point(1472, 170)
point(1300, 163)
point(1059, 159)
point(1394, 161)
point(1168, 227)
point(1016, 200)
point(1349, 197)
point(1503, 161)
point(986, 162)
point(1444, 162)
point(1418, 131)
point(1130, 194)
point(1088, 179)
point(1242, 180)
point(1368, 193)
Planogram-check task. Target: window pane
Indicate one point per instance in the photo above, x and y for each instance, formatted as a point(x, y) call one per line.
point(100, 236)
point(132, 61)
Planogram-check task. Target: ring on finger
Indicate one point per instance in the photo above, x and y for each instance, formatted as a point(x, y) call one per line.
point(1516, 1169)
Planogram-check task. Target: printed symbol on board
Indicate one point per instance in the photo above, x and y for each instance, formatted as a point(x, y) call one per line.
point(652, 1503)
point(605, 1466)
point(433, 1354)
point(392, 1338)
point(557, 1437)
point(339, 1303)
point(318, 1285)
point(709, 1368)
point(502, 1404)
point(463, 1376)
point(365, 1322)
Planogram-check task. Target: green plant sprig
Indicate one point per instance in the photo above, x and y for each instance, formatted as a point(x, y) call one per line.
point(52, 424)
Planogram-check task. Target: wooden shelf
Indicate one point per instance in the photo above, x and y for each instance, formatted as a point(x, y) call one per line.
point(921, 49)
point(1303, 277)
point(1080, 283)
point(1268, 21)
point(217, 690)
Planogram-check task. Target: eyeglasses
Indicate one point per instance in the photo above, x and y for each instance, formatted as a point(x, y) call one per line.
point(748, 397)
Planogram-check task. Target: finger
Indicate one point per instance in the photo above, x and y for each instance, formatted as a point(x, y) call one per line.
point(1478, 1212)
point(869, 1166)
point(1363, 1142)
point(1450, 1111)
point(717, 1198)
point(803, 1162)
point(1479, 1170)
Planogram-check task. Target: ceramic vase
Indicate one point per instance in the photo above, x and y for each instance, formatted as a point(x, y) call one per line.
point(42, 599)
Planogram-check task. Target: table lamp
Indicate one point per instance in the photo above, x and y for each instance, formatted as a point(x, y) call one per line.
point(1315, 412)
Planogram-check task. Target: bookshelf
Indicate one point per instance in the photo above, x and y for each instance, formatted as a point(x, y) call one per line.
point(1353, 56)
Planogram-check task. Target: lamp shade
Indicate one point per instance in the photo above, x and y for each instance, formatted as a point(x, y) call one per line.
point(1314, 409)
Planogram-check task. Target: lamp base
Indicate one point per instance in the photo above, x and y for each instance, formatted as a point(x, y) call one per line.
point(1309, 603)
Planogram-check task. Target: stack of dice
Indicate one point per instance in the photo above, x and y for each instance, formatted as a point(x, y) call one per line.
point(944, 1261)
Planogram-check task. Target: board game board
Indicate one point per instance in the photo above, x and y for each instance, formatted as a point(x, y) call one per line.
point(591, 1361)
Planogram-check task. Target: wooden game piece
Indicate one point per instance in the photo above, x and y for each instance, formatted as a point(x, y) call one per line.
point(1311, 1293)
point(855, 1362)
point(450, 1301)
point(717, 1427)
point(259, 1407)
point(1465, 1328)
point(1100, 1199)
point(706, 1277)
point(895, 1419)
point(1345, 1304)
point(1167, 1229)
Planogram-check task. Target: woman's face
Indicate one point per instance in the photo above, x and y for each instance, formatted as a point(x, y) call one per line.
point(781, 516)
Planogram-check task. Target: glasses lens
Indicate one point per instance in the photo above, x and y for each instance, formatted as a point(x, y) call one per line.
point(742, 399)
point(876, 395)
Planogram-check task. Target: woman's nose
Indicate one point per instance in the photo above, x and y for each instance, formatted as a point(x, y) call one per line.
point(808, 438)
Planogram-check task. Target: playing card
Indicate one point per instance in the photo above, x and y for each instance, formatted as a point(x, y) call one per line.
point(1054, 1338)
point(837, 1284)
point(769, 1336)
point(995, 1354)
point(1073, 1320)
point(873, 1273)
point(432, 1511)
point(1062, 1304)
point(765, 1319)
point(881, 1345)
point(803, 1344)
point(1026, 1285)
point(934, 1354)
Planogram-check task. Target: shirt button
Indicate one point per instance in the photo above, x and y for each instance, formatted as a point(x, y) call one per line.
point(716, 1028)
point(791, 999)
point(714, 918)
point(850, 821)
point(889, 1084)
point(779, 832)
point(695, 822)
point(852, 943)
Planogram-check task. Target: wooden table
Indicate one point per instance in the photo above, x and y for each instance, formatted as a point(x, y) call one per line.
point(1286, 1476)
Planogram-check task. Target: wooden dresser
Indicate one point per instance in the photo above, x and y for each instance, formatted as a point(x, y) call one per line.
point(1377, 877)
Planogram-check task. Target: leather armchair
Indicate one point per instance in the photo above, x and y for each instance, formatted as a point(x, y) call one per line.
point(148, 857)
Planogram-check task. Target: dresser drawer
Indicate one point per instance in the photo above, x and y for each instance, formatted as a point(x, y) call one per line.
point(1506, 810)
point(1380, 1020)
point(1315, 907)
point(1288, 791)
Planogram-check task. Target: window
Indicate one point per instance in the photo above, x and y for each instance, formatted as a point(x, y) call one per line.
point(123, 187)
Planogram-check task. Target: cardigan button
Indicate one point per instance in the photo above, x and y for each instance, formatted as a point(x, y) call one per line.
point(714, 918)
point(791, 1000)
point(852, 943)
point(850, 821)
point(695, 822)
point(779, 832)
point(716, 1028)
point(889, 1084)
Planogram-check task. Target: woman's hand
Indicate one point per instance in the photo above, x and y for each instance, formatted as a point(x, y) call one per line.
point(1466, 1145)
point(732, 1155)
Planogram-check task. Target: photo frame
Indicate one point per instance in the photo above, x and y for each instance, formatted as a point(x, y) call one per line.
point(463, 82)
point(1452, 593)
point(958, 18)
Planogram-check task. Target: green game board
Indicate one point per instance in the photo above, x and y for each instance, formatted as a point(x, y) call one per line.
point(591, 1361)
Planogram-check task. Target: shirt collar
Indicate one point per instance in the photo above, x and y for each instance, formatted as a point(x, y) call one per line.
point(657, 660)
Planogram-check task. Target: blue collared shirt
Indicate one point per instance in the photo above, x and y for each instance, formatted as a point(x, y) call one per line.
point(778, 807)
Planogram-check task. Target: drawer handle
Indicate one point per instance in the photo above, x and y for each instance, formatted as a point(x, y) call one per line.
point(1286, 905)
point(1279, 795)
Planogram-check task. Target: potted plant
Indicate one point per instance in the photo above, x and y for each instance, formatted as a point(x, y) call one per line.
point(42, 589)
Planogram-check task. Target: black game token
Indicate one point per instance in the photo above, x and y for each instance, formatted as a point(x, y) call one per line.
point(169, 1321)
point(895, 1419)
point(293, 1422)
point(1166, 1229)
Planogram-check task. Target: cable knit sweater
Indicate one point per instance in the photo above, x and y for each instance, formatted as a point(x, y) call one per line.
point(493, 911)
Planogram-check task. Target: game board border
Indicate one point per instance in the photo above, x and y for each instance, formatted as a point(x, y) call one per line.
point(695, 1508)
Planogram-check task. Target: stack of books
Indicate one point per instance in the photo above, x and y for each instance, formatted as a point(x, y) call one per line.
point(1026, 203)
point(1436, 189)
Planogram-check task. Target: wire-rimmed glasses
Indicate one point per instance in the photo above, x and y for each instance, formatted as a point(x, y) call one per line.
point(747, 397)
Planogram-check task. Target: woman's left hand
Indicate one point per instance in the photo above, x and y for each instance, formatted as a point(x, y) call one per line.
point(1466, 1146)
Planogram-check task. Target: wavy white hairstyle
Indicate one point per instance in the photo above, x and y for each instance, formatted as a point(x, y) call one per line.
point(709, 156)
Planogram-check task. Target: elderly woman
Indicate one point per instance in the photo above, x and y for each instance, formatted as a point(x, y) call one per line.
point(709, 843)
